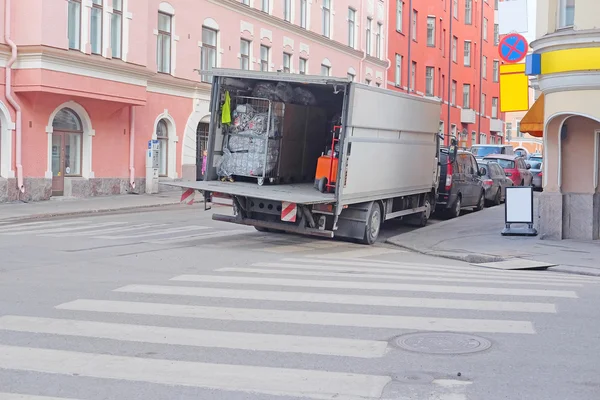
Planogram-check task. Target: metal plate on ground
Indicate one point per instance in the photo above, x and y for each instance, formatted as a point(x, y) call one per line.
point(517, 263)
point(442, 343)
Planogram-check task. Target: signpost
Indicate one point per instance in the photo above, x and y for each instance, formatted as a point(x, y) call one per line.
point(519, 210)
point(513, 48)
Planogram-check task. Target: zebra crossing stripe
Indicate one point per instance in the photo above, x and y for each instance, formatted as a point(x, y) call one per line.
point(301, 317)
point(267, 380)
point(59, 230)
point(15, 396)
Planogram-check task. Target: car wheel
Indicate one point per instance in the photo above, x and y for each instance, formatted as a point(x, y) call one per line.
point(498, 197)
point(481, 202)
point(454, 212)
point(372, 225)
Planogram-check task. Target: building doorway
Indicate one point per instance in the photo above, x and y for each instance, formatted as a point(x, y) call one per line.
point(201, 148)
point(67, 148)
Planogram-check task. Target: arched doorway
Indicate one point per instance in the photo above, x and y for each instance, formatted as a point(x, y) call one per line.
point(201, 148)
point(67, 148)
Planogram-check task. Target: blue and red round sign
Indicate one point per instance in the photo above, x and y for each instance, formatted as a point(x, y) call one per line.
point(513, 48)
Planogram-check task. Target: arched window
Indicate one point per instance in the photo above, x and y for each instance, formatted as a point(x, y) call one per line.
point(67, 140)
point(67, 120)
point(162, 134)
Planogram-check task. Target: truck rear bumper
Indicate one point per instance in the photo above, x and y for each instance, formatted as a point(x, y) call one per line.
point(273, 225)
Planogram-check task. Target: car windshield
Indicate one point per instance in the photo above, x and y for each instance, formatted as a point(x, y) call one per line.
point(505, 163)
point(535, 159)
point(482, 151)
point(535, 165)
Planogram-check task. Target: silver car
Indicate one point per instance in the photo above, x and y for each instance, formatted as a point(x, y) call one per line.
point(536, 171)
point(494, 181)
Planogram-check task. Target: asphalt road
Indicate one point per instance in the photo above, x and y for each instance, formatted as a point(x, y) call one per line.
point(172, 305)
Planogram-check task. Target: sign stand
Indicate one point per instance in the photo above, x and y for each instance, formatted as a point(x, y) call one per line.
point(519, 210)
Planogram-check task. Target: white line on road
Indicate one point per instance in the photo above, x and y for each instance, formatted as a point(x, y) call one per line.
point(368, 252)
point(58, 230)
point(275, 381)
point(302, 317)
point(157, 232)
point(198, 338)
point(108, 230)
point(15, 396)
point(345, 273)
point(201, 236)
point(311, 297)
point(35, 225)
point(376, 286)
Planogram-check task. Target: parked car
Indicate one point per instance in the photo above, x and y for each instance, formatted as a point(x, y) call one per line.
point(460, 185)
point(536, 171)
point(535, 157)
point(482, 150)
point(494, 181)
point(514, 167)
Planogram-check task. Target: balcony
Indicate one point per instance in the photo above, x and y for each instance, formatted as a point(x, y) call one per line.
point(496, 125)
point(467, 116)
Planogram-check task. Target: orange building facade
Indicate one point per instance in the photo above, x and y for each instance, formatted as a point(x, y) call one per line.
point(448, 49)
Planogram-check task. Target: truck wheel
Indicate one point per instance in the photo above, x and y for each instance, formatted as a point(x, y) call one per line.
point(372, 225)
point(424, 216)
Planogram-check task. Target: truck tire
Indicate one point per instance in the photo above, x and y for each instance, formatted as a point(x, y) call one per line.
point(372, 225)
point(424, 216)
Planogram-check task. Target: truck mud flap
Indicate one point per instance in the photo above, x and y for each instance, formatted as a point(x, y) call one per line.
point(273, 225)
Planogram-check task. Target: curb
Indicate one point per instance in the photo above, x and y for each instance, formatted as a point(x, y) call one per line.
point(472, 258)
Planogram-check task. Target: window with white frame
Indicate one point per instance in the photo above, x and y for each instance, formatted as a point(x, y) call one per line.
point(415, 17)
point(74, 29)
point(208, 57)
point(468, 12)
point(303, 13)
point(325, 70)
point(96, 26)
point(326, 18)
point(453, 93)
point(466, 96)
point(496, 5)
point(351, 27)
point(496, 34)
point(398, 71)
point(453, 130)
point(162, 135)
point(429, 81)
point(467, 60)
point(455, 8)
point(399, 15)
point(244, 54)
point(508, 131)
point(473, 137)
point(494, 107)
point(368, 37)
point(484, 67)
point(566, 13)
point(287, 10)
point(378, 36)
point(287, 63)
point(413, 76)
point(116, 29)
point(164, 43)
point(483, 110)
point(454, 48)
point(265, 6)
point(496, 71)
point(485, 29)
point(264, 57)
point(302, 66)
point(431, 31)
point(482, 138)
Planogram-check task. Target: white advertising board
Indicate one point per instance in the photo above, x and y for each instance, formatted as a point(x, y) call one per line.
point(513, 16)
point(519, 204)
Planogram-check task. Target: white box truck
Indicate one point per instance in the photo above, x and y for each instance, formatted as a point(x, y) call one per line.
point(272, 134)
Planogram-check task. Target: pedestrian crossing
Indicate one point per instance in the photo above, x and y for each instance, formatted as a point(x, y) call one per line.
point(251, 312)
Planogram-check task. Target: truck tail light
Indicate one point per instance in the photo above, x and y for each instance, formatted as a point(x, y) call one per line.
point(449, 172)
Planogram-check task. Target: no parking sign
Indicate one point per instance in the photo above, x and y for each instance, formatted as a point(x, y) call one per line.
point(513, 48)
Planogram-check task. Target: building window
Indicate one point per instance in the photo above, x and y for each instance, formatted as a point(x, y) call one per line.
point(302, 66)
point(398, 71)
point(164, 43)
point(496, 5)
point(368, 37)
point(264, 58)
point(265, 6)
point(484, 67)
point(67, 123)
point(303, 13)
point(244, 54)
point(566, 13)
point(246, 2)
point(96, 26)
point(468, 12)
point(162, 135)
point(325, 70)
point(494, 107)
point(287, 62)
point(508, 131)
point(351, 27)
point(399, 15)
point(496, 71)
point(485, 29)
point(496, 34)
point(473, 138)
point(415, 17)
point(287, 10)
point(453, 130)
point(454, 48)
point(431, 31)
point(116, 29)
point(519, 133)
point(466, 96)
point(326, 18)
point(483, 110)
point(413, 76)
point(74, 24)
point(208, 56)
point(429, 81)
point(467, 60)
point(378, 36)
point(455, 8)
point(453, 93)
point(482, 138)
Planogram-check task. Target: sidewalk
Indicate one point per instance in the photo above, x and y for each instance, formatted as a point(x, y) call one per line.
point(475, 238)
point(67, 206)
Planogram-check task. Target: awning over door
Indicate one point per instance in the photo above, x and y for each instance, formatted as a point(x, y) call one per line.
point(533, 121)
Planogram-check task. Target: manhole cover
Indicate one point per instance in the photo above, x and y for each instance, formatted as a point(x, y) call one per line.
point(442, 343)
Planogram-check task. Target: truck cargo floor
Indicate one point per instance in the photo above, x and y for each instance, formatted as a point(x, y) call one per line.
point(303, 193)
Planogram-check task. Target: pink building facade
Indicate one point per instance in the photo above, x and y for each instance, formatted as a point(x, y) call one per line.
point(87, 83)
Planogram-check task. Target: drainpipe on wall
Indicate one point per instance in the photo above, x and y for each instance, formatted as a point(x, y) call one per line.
point(363, 41)
point(9, 97)
point(387, 45)
point(409, 64)
point(481, 75)
point(131, 147)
